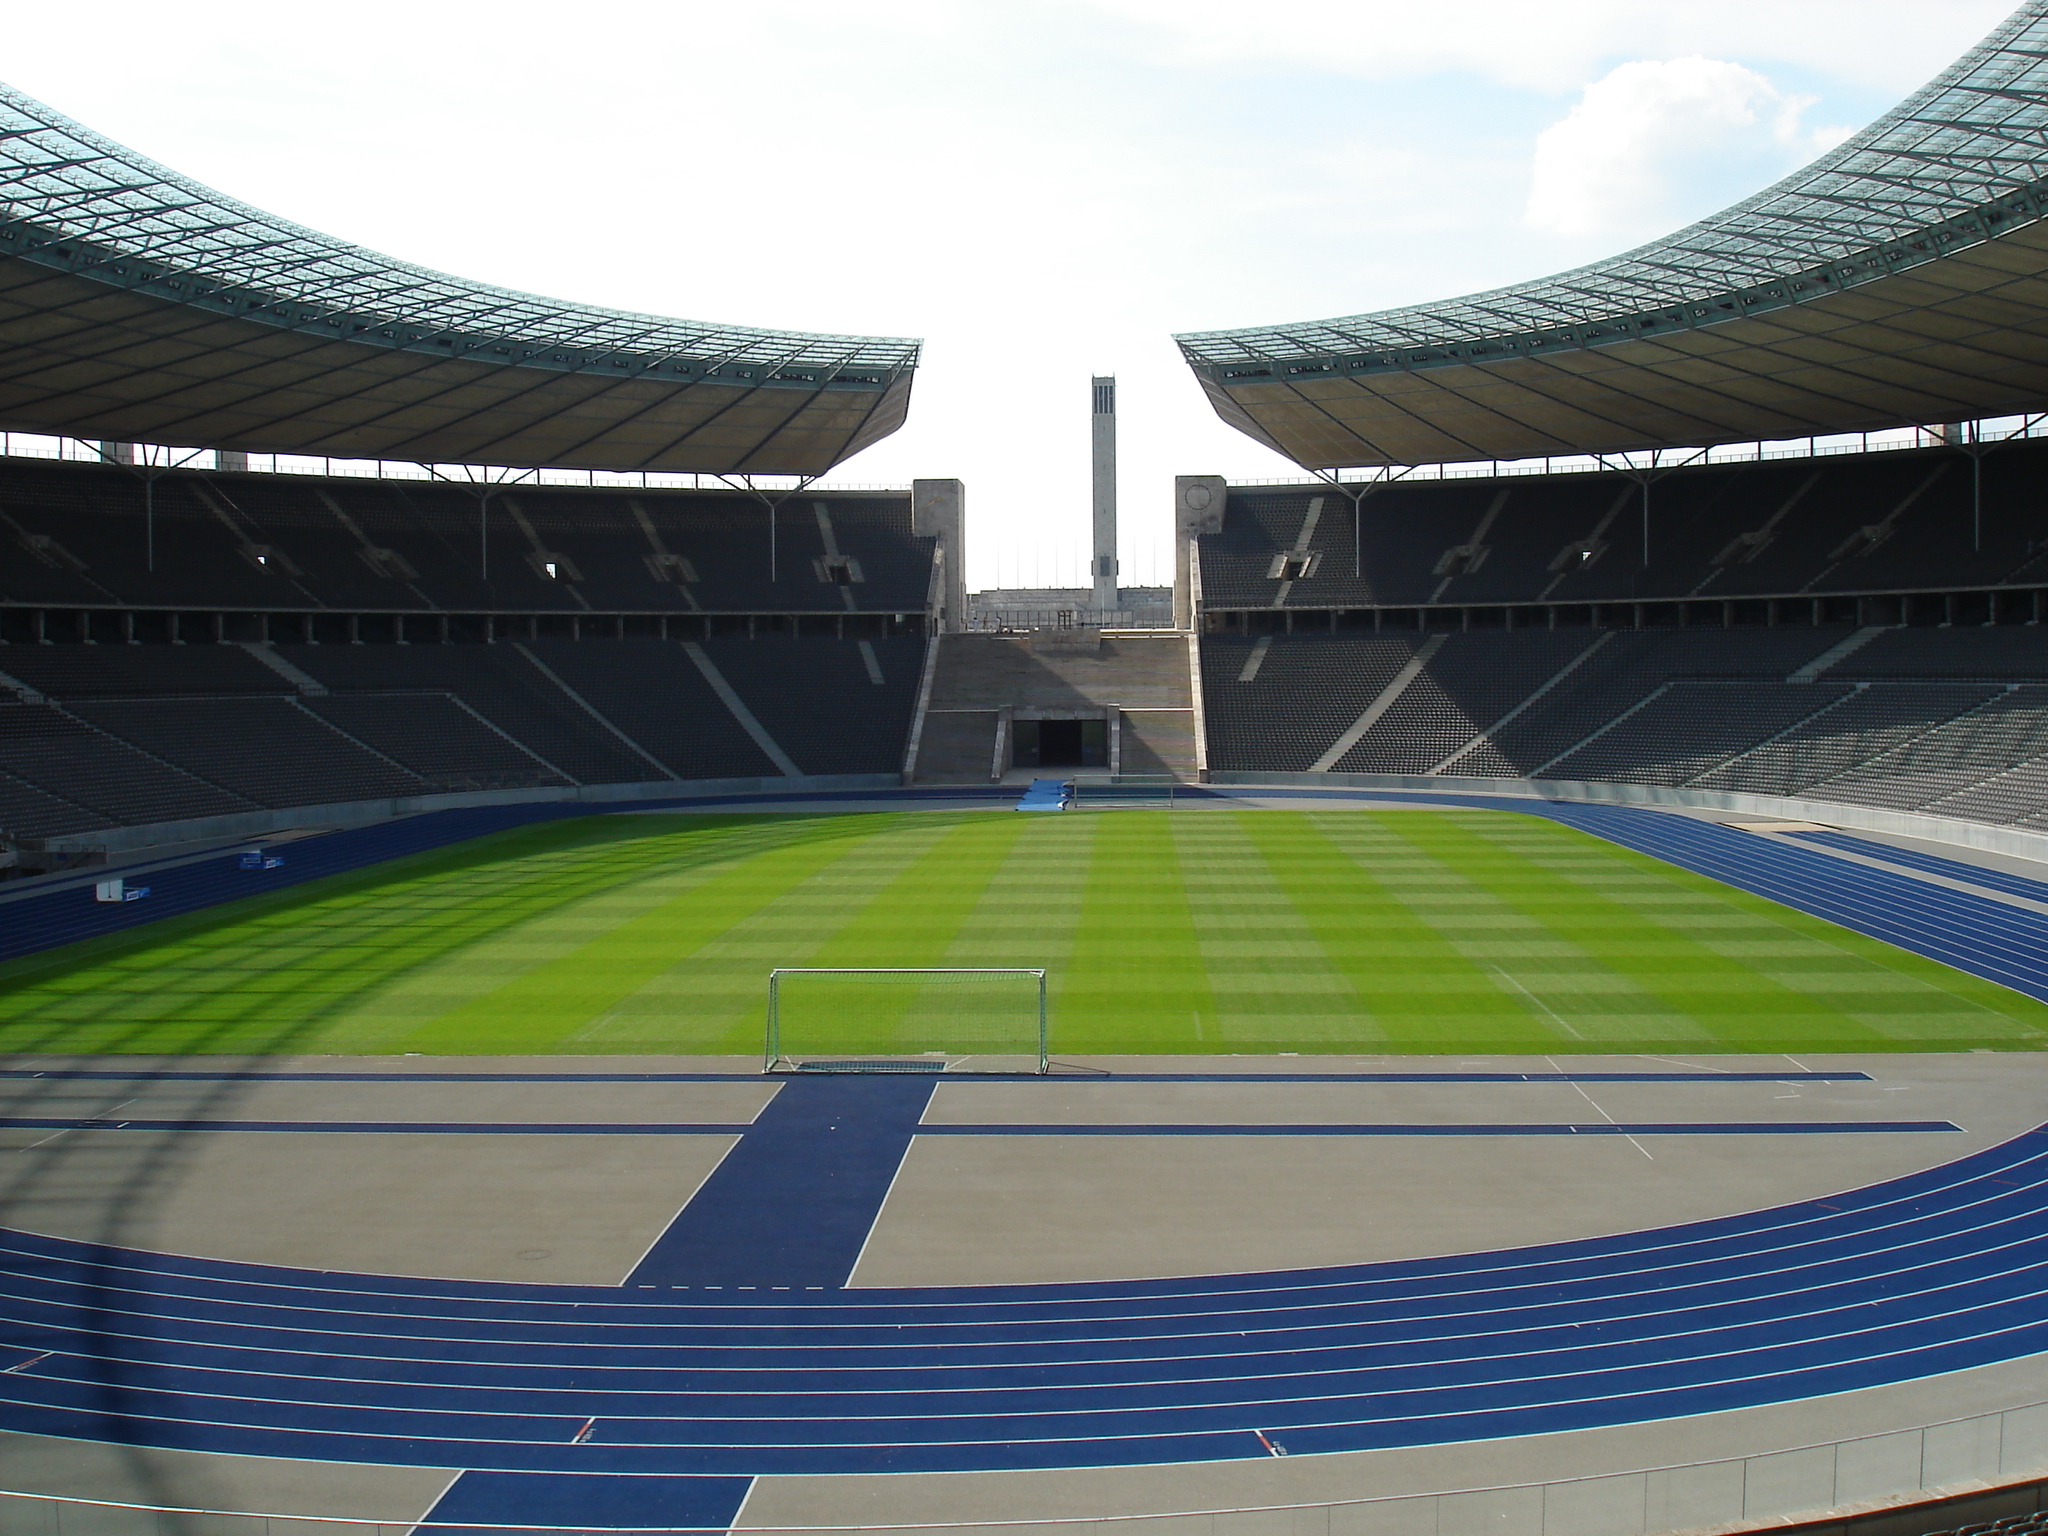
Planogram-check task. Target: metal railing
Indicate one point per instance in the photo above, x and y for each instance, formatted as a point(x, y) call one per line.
point(72, 450)
point(1987, 433)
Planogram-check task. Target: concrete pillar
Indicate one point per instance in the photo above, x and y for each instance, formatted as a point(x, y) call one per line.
point(938, 510)
point(1197, 510)
point(1102, 571)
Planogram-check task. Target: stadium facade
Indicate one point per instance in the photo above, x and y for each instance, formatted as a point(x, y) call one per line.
point(196, 657)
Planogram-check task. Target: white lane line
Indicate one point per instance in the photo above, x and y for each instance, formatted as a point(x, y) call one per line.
point(1926, 876)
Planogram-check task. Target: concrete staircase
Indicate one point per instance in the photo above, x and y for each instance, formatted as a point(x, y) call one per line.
point(982, 683)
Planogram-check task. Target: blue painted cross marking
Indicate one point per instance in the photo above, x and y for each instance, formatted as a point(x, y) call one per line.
point(793, 1202)
point(500, 1503)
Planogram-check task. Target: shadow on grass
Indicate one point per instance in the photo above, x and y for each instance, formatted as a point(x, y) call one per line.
point(239, 985)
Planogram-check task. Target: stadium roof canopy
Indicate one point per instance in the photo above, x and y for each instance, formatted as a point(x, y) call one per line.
point(1900, 279)
point(139, 306)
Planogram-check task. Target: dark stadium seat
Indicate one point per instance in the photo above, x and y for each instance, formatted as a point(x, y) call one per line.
point(269, 751)
point(1935, 720)
point(435, 736)
point(63, 756)
point(654, 692)
point(496, 681)
point(1469, 682)
point(1790, 527)
point(820, 702)
point(1306, 691)
point(137, 671)
point(285, 542)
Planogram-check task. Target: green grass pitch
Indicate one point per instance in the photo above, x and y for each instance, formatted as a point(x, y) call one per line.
point(1212, 931)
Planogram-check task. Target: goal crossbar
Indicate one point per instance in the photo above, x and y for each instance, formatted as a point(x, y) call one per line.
point(906, 1019)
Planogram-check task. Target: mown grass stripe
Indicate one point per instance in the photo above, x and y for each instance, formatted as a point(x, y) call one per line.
point(1136, 975)
point(1382, 931)
point(539, 1009)
point(1349, 878)
point(1734, 1003)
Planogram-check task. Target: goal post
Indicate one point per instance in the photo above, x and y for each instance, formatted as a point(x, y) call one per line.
point(1126, 791)
point(894, 1019)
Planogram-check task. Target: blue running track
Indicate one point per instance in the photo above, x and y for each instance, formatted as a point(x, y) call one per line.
point(1933, 1272)
point(720, 1361)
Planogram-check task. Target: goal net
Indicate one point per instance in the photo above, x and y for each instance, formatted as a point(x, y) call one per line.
point(1149, 791)
point(876, 1020)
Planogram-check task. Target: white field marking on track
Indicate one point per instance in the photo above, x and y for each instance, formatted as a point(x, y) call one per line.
point(875, 1222)
point(1504, 976)
point(70, 1128)
point(658, 1236)
point(1581, 1087)
point(1695, 1066)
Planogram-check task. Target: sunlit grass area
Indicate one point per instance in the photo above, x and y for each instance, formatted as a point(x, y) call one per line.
point(1205, 931)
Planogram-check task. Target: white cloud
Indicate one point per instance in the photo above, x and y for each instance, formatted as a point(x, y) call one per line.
point(1654, 141)
point(1888, 45)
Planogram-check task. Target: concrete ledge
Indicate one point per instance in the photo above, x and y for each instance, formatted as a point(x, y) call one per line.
point(1937, 829)
point(251, 824)
point(1976, 1468)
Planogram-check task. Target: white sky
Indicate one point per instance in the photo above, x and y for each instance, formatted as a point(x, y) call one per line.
point(1041, 189)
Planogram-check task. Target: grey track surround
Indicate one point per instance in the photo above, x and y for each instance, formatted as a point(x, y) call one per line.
point(1939, 829)
point(251, 824)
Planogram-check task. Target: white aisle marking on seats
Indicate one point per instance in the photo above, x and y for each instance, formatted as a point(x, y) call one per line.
point(1302, 542)
point(1768, 742)
point(1836, 653)
point(1251, 663)
point(873, 663)
point(1481, 738)
point(594, 712)
point(1410, 670)
point(1758, 538)
point(783, 762)
point(823, 512)
point(824, 516)
point(1586, 741)
point(1471, 545)
point(1600, 528)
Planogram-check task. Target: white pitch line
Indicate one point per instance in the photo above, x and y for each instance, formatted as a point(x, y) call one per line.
point(1504, 976)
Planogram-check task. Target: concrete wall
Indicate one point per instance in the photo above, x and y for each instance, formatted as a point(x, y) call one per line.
point(1866, 1486)
point(1874, 1485)
point(957, 746)
point(1939, 829)
point(938, 509)
point(252, 824)
point(1197, 509)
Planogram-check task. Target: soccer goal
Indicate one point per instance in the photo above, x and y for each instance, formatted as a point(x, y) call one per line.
point(1126, 791)
point(882, 1020)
